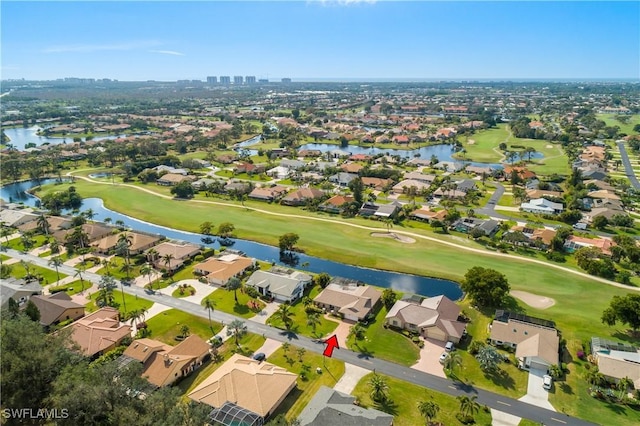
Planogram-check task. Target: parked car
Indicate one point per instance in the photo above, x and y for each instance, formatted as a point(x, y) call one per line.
point(260, 356)
point(215, 341)
point(547, 381)
point(449, 346)
point(443, 357)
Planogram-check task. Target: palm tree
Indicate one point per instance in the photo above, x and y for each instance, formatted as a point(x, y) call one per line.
point(106, 286)
point(313, 320)
point(184, 331)
point(468, 405)
point(357, 332)
point(120, 223)
point(389, 223)
point(428, 410)
point(379, 388)
point(234, 285)
point(209, 304)
point(623, 385)
point(89, 214)
point(56, 262)
point(237, 329)
point(135, 315)
point(27, 241)
point(27, 269)
point(152, 255)
point(147, 270)
point(284, 314)
point(166, 259)
point(107, 220)
point(43, 224)
point(489, 358)
point(451, 361)
point(79, 271)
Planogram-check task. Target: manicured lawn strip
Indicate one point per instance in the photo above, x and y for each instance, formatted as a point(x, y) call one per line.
point(184, 273)
point(166, 326)
point(299, 317)
point(249, 343)
point(115, 268)
point(4, 257)
point(405, 398)
point(299, 397)
point(610, 120)
point(75, 287)
point(527, 422)
point(16, 243)
point(225, 302)
point(48, 275)
point(385, 343)
point(132, 302)
point(185, 292)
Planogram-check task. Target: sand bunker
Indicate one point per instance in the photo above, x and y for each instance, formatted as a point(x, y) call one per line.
point(471, 142)
point(533, 300)
point(394, 236)
point(549, 146)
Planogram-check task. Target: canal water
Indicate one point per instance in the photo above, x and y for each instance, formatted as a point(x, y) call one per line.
point(402, 282)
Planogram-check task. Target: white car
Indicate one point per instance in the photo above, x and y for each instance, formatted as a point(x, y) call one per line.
point(443, 357)
point(449, 346)
point(547, 381)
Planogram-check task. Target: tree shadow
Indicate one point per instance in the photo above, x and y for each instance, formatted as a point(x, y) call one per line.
point(241, 309)
point(501, 378)
point(289, 258)
point(388, 406)
point(289, 335)
point(564, 387)
point(627, 336)
point(364, 352)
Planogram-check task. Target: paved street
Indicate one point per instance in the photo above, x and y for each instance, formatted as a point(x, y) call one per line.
point(627, 165)
point(492, 400)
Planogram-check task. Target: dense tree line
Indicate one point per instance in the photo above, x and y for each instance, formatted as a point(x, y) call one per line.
point(59, 200)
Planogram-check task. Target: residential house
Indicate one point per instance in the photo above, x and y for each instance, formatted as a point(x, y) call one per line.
point(468, 224)
point(278, 153)
point(19, 290)
point(14, 218)
point(328, 407)
point(302, 196)
point(617, 360)
point(352, 302)
point(177, 253)
point(164, 365)
point(244, 167)
point(238, 186)
point(523, 173)
point(419, 176)
point(466, 185)
point(380, 210)
point(57, 307)
point(606, 212)
point(339, 153)
point(434, 318)
point(542, 206)
point(335, 204)
point(219, 270)
point(426, 215)
point(401, 139)
point(99, 332)
point(292, 164)
point(479, 171)
point(378, 184)
point(574, 242)
point(258, 387)
point(282, 285)
point(172, 179)
point(403, 186)
point(538, 237)
point(268, 194)
point(536, 341)
point(170, 170)
point(342, 179)
point(309, 153)
point(279, 172)
point(56, 223)
point(351, 168)
point(138, 242)
point(541, 193)
point(94, 231)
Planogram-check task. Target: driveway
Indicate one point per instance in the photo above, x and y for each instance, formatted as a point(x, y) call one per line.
point(341, 332)
point(269, 347)
point(350, 378)
point(536, 394)
point(264, 314)
point(500, 418)
point(429, 358)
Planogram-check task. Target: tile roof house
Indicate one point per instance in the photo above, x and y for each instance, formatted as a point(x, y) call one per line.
point(301, 196)
point(574, 242)
point(335, 203)
point(268, 194)
point(256, 386)
point(163, 365)
point(376, 183)
point(617, 360)
point(328, 407)
point(283, 286)
point(427, 215)
point(402, 186)
point(219, 270)
point(353, 302)
point(94, 231)
point(434, 317)
point(56, 223)
point(139, 242)
point(171, 179)
point(179, 252)
point(99, 332)
point(57, 307)
point(537, 341)
point(419, 176)
point(351, 167)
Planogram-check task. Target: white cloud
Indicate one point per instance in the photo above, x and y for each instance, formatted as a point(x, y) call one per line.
point(167, 52)
point(90, 48)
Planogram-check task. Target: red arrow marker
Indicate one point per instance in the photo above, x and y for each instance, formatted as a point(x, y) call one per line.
point(332, 343)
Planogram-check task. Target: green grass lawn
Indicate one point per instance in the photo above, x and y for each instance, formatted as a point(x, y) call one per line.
point(183, 292)
point(132, 302)
point(385, 343)
point(47, 276)
point(627, 128)
point(405, 398)
point(116, 269)
point(299, 318)
point(72, 288)
point(166, 326)
point(16, 243)
point(249, 343)
point(225, 302)
point(300, 396)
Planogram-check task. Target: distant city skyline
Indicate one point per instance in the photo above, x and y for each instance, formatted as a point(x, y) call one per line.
point(347, 40)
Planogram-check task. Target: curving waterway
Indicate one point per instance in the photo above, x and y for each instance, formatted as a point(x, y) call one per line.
point(403, 282)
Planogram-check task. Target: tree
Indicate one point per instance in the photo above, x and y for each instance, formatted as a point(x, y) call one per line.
point(623, 309)
point(357, 332)
point(468, 405)
point(600, 222)
point(313, 320)
point(389, 298)
point(147, 271)
point(357, 187)
point(284, 314)
point(379, 388)
point(43, 224)
point(487, 287)
point(428, 410)
point(322, 279)
point(79, 271)
point(225, 229)
point(56, 262)
point(452, 360)
point(209, 304)
point(489, 358)
point(184, 331)
point(32, 311)
point(206, 228)
point(234, 284)
point(237, 329)
point(183, 189)
point(288, 241)
point(166, 261)
point(624, 384)
point(105, 291)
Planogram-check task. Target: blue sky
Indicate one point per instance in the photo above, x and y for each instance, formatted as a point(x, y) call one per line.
point(346, 39)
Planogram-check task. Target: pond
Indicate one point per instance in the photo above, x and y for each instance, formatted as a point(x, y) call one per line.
point(402, 282)
point(21, 136)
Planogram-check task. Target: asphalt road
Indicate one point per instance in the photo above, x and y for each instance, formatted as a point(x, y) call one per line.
point(627, 165)
point(368, 361)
